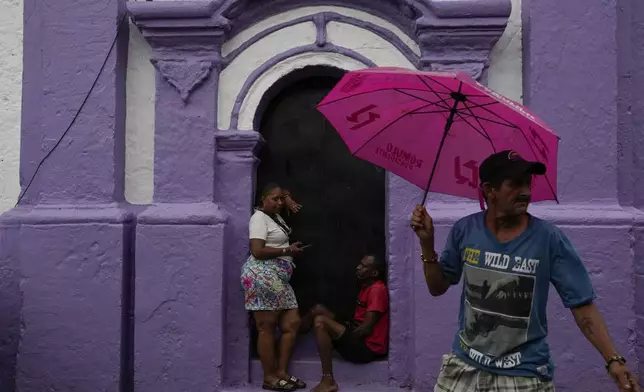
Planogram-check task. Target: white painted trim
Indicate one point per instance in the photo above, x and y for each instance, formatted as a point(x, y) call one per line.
point(232, 78)
point(139, 123)
point(505, 74)
point(236, 41)
point(273, 74)
point(368, 44)
point(10, 101)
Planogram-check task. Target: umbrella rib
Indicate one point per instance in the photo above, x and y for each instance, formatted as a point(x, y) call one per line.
point(511, 125)
point(469, 95)
point(419, 98)
point(480, 105)
point(483, 134)
point(499, 117)
point(432, 90)
point(492, 121)
point(527, 141)
point(365, 92)
point(435, 111)
point(445, 87)
point(387, 126)
point(479, 123)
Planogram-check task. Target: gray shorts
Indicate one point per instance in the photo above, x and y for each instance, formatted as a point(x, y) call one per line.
point(457, 376)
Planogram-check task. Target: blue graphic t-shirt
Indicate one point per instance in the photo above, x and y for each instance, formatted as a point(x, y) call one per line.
point(502, 321)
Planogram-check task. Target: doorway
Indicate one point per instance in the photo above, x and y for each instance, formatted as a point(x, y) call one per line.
point(343, 197)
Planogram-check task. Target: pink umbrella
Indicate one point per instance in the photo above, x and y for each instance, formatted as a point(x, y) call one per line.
point(435, 128)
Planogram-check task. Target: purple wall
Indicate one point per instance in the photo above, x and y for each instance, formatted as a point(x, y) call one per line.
point(63, 249)
point(77, 314)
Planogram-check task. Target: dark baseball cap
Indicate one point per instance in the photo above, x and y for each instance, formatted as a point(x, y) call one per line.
point(506, 165)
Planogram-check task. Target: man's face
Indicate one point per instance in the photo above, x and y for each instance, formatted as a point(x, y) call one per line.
point(365, 269)
point(513, 196)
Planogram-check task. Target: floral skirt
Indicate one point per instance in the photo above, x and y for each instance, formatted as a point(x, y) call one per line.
point(266, 286)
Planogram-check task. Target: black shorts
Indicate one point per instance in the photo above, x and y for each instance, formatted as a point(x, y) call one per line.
point(354, 349)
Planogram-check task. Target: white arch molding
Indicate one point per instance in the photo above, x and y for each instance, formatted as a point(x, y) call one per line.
point(362, 41)
point(271, 76)
point(243, 36)
point(381, 52)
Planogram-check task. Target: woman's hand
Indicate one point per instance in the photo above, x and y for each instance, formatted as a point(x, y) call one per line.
point(291, 205)
point(295, 249)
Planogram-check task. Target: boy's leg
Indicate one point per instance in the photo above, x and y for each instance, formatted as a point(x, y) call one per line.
point(327, 330)
point(307, 320)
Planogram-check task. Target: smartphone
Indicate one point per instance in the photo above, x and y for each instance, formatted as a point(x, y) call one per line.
point(305, 246)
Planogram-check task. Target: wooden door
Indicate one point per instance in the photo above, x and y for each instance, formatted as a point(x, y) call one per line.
point(343, 197)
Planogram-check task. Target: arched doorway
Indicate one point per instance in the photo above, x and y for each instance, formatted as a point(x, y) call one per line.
point(343, 197)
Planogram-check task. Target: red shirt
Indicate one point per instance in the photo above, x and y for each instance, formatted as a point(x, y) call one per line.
point(375, 298)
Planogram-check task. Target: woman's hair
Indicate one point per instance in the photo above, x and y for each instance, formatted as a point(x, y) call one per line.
point(268, 188)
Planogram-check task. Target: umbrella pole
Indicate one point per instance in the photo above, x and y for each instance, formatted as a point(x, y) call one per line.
point(448, 126)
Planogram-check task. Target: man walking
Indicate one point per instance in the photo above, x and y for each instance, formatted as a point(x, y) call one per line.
point(507, 259)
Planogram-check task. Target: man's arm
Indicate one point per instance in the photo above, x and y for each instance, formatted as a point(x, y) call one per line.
point(370, 320)
point(570, 278)
point(592, 324)
point(436, 281)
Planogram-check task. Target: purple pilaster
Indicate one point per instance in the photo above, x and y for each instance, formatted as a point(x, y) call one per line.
point(580, 77)
point(456, 36)
point(179, 294)
point(237, 164)
point(631, 142)
point(63, 248)
point(179, 298)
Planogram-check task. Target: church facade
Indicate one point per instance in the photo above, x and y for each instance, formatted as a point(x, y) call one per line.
point(132, 282)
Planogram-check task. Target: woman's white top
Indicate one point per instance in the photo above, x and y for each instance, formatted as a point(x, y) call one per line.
point(262, 227)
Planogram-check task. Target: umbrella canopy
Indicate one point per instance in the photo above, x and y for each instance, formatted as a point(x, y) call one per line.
point(435, 128)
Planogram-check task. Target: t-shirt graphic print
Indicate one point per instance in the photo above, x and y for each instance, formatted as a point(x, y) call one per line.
point(497, 310)
point(502, 319)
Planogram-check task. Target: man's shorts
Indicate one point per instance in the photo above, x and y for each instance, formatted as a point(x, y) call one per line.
point(457, 376)
point(354, 349)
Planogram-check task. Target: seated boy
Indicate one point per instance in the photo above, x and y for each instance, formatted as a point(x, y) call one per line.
point(363, 339)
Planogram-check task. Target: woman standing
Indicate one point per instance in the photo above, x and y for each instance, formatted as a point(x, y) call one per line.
point(268, 294)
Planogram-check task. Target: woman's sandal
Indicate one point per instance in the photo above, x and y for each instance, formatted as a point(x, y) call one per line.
point(280, 385)
point(299, 384)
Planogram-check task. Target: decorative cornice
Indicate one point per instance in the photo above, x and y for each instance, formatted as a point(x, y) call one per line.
point(246, 13)
point(445, 48)
point(180, 23)
point(449, 9)
point(460, 34)
point(186, 75)
point(167, 20)
point(474, 69)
